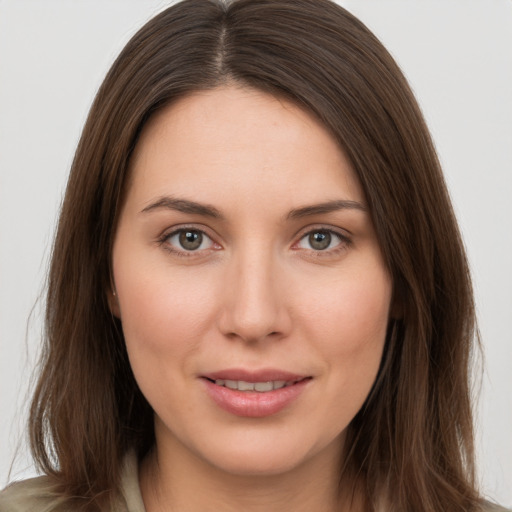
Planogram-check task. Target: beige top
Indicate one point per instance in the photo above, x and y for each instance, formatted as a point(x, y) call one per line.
point(32, 495)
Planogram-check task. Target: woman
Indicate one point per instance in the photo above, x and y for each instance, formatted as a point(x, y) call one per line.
point(258, 297)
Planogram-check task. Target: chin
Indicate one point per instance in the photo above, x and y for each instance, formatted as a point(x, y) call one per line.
point(258, 463)
point(267, 455)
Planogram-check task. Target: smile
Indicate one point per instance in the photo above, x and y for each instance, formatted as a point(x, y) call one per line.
point(260, 387)
point(257, 394)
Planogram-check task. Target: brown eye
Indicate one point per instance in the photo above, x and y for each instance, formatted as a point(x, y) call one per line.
point(190, 240)
point(319, 240)
point(323, 240)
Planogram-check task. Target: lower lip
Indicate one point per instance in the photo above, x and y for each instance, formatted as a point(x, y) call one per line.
point(254, 404)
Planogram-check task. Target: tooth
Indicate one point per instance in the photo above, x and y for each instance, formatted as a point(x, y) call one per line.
point(264, 386)
point(245, 386)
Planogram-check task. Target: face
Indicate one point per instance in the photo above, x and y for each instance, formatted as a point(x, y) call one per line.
point(251, 289)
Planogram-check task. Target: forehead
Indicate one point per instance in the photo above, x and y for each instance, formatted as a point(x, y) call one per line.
point(239, 141)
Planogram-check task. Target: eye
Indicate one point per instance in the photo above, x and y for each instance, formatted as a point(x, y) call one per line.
point(321, 240)
point(189, 240)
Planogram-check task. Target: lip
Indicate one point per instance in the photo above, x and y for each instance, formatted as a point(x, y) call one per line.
point(263, 375)
point(254, 404)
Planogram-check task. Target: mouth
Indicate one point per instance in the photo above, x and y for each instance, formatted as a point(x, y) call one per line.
point(255, 394)
point(259, 387)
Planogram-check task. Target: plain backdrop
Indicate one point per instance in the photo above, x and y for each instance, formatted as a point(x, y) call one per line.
point(457, 55)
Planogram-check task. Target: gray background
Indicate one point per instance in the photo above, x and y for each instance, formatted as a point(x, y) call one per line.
point(457, 55)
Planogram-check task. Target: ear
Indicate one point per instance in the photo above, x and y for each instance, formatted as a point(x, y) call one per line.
point(113, 302)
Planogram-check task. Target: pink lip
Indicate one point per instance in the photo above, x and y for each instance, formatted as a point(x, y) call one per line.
point(254, 404)
point(263, 375)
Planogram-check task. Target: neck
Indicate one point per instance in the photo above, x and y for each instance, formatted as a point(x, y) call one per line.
point(185, 483)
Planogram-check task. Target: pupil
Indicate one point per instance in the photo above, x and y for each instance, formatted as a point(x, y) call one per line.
point(320, 240)
point(191, 240)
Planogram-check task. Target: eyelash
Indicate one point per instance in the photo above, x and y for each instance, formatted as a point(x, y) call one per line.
point(344, 242)
point(164, 242)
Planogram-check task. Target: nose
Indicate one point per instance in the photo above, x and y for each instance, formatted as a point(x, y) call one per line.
point(254, 305)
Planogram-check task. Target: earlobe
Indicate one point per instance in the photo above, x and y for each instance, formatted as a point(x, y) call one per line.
point(113, 303)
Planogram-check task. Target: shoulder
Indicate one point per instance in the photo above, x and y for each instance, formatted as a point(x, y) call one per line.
point(39, 494)
point(33, 495)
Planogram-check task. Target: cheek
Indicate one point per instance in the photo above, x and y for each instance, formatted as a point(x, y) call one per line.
point(163, 321)
point(164, 315)
point(348, 320)
point(345, 320)
point(353, 310)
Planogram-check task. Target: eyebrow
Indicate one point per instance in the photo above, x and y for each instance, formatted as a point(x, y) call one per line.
point(328, 207)
point(206, 210)
point(184, 206)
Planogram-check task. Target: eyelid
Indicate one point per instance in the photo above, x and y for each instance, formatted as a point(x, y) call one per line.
point(343, 235)
point(174, 230)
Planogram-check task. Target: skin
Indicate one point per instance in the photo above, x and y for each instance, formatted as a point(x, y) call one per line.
point(256, 294)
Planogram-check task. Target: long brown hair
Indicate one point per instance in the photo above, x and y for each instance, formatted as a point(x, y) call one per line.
point(412, 440)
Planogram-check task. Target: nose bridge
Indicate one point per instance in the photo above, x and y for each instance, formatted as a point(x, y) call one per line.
point(253, 305)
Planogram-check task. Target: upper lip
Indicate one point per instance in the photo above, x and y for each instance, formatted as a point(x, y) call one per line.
point(262, 375)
